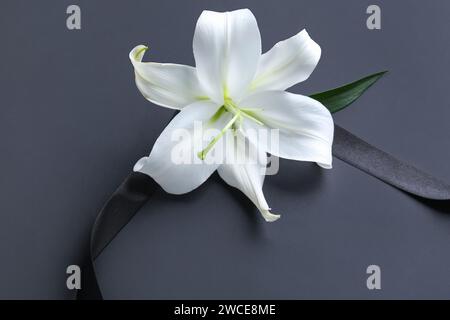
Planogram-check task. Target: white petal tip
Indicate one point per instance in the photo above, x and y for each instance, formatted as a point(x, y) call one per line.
point(304, 32)
point(325, 165)
point(137, 52)
point(270, 217)
point(140, 164)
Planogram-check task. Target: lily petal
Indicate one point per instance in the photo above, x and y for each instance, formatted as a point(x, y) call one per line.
point(173, 161)
point(305, 126)
point(227, 47)
point(248, 174)
point(168, 85)
point(288, 62)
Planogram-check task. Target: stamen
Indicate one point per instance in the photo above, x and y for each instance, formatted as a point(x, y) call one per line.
point(202, 154)
point(217, 115)
point(247, 113)
point(252, 116)
point(234, 123)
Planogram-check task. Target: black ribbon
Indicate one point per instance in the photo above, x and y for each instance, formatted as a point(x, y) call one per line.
point(129, 197)
point(138, 188)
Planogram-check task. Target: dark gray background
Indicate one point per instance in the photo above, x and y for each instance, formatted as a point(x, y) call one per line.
point(72, 124)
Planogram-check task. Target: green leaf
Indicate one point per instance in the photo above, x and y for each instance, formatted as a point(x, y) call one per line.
point(339, 98)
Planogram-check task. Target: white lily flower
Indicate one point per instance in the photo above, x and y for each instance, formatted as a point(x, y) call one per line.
point(234, 88)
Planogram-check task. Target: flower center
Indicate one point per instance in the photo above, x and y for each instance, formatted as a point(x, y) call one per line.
point(234, 123)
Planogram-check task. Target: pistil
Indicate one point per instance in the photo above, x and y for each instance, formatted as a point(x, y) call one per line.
point(202, 154)
point(239, 113)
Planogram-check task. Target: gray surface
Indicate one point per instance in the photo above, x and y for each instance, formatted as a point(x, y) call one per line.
point(72, 124)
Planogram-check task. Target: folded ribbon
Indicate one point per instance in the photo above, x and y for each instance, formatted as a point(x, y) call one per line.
point(138, 188)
